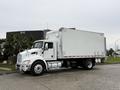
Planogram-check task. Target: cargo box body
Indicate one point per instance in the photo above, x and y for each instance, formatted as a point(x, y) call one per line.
point(78, 44)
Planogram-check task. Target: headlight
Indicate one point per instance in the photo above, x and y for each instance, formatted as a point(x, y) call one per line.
point(26, 62)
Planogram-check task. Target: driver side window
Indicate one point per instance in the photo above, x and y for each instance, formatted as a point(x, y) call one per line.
point(50, 45)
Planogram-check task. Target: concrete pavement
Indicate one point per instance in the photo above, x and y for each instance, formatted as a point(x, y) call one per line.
point(102, 77)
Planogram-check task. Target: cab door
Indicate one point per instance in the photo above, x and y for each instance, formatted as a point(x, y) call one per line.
point(49, 52)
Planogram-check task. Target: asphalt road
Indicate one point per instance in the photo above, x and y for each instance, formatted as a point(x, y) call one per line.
point(102, 77)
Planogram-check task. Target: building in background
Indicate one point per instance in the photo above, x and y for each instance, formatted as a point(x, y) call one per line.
point(17, 41)
point(34, 34)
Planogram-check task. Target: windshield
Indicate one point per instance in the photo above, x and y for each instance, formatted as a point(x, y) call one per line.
point(38, 44)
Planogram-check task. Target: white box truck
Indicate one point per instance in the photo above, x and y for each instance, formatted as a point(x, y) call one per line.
point(62, 49)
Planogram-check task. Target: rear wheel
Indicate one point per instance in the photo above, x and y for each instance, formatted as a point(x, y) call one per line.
point(37, 68)
point(88, 64)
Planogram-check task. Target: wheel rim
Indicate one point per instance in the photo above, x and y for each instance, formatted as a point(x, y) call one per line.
point(89, 64)
point(38, 68)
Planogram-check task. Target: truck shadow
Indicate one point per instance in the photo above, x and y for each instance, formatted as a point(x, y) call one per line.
point(64, 70)
point(70, 70)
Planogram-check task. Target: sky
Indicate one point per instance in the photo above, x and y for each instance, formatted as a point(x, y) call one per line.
point(91, 15)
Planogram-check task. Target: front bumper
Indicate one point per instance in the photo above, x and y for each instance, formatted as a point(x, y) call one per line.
point(22, 67)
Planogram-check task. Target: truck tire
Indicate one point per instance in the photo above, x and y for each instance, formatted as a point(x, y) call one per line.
point(37, 68)
point(88, 64)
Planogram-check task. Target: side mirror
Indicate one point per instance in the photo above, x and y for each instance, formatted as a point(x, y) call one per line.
point(46, 46)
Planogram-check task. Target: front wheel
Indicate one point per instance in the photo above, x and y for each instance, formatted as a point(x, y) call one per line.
point(37, 68)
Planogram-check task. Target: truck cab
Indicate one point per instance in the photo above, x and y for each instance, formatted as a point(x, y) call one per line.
point(41, 52)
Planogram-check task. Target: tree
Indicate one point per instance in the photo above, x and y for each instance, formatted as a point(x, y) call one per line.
point(1, 49)
point(2, 40)
point(110, 52)
point(17, 42)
